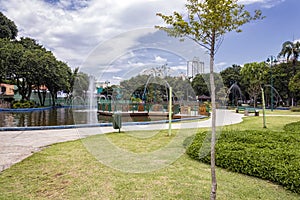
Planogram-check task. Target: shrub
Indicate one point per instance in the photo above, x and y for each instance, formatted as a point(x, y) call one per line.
point(23, 104)
point(268, 155)
point(295, 109)
point(293, 127)
point(17, 105)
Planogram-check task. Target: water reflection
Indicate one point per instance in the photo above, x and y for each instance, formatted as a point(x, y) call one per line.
point(63, 116)
point(51, 117)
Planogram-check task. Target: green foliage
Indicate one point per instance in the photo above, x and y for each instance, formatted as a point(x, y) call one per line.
point(295, 109)
point(293, 127)
point(8, 29)
point(294, 84)
point(136, 100)
point(254, 75)
point(29, 65)
point(231, 75)
point(265, 154)
point(23, 104)
point(201, 84)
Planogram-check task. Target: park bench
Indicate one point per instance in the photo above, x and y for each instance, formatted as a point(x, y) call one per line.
point(240, 108)
point(247, 110)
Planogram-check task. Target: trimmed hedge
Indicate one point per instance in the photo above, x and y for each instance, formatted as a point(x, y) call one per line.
point(273, 156)
point(23, 104)
point(293, 127)
point(295, 109)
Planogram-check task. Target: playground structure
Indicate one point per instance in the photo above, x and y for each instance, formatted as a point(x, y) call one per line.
point(153, 98)
point(108, 108)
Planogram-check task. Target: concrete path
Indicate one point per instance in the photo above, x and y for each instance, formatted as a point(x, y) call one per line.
point(18, 145)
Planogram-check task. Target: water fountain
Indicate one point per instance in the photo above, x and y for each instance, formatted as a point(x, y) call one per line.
point(151, 77)
point(278, 97)
point(235, 89)
point(92, 112)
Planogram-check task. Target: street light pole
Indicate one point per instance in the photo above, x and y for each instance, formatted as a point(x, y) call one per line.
point(272, 94)
point(107, 82)
point(264, 110)
point(270, 60)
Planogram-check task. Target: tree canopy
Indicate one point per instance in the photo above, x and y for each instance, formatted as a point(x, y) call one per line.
point(8, 29)
point(29, 66)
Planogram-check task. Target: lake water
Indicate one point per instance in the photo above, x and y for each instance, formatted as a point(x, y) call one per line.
point(49, 117)
point(61, 116)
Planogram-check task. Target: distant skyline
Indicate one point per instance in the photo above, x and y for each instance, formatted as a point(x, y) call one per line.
point(78, 31)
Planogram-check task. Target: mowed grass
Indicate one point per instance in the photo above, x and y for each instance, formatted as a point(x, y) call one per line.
point(280, 112)
point(274, 123)
point(69, 171)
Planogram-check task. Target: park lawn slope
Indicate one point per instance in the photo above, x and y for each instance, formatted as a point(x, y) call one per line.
point(69, 171)
point(270, 155)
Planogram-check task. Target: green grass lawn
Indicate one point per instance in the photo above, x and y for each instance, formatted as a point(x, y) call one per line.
point(274, 123)
point(275, 112)
point(69, 171)
point(280, 112)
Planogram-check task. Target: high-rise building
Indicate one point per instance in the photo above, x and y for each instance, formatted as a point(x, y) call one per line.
point(194, 67)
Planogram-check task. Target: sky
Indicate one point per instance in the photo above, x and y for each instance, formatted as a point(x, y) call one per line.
point(115, 39)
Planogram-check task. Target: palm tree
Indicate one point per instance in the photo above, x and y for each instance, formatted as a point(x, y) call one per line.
point(290, 49)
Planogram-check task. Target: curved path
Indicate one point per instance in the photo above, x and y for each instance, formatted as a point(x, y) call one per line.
point(18, 145)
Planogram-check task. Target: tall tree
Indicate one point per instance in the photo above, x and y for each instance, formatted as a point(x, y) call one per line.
point(254, 75)
point(290, 49)
point(206, 24)
point(57, 77)
point(200, 85)
point(282, 75)
point(5, 49)
point(232, 81)
point(81, 86)
point(8, 29)
point(32, 68)
point(294, 84)
point(231, 75)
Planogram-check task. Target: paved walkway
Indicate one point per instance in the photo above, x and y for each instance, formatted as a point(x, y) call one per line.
point(18, 145)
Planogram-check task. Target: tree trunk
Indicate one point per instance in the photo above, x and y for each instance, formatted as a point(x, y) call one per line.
point(53, 98)
point(213, 194)
point(44, 97)
point(29, 91)
point(40, 96)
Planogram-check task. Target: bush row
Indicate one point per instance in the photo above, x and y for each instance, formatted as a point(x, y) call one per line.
point(295, 109)
point(23, 104)
point(293, 127)
point(273, 156)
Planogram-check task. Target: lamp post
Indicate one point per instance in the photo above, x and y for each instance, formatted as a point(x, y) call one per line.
point(263, 102)
point(271, 60)
point(106, 83)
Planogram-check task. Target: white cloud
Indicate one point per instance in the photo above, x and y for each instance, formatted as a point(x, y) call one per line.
point(117, 78)
point(95, 34)
point(161, 60)
point(180, 67)
point(72, 28)
point(251, 1)
point(264, 3)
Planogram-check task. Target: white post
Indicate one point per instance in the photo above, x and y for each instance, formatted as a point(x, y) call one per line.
point(170, 111)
